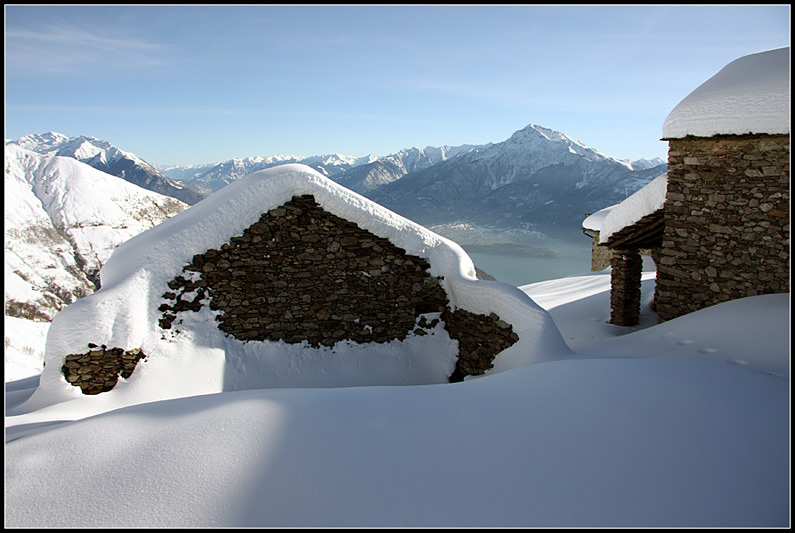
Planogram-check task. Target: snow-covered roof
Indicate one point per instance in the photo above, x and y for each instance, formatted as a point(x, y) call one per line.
point(749, 95)
point(123, 313)
point(614, 218)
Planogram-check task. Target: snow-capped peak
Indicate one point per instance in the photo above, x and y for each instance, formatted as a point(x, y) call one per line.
point(38, 142)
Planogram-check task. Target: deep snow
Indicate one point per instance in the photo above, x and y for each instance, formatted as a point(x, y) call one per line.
point(681, 424)
point(685, 423)
point(749, 95)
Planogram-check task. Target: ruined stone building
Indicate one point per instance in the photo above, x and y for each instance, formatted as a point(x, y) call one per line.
point(285, 278)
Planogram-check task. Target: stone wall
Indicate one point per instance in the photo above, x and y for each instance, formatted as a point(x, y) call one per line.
point(480, 339)
point(600, 255)
point(727, 225)
point(303, 274)
point(98, 370)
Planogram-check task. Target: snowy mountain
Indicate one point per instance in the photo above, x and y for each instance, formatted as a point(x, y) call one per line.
point(642, 164)
point(538, 178)
point(367, 178)
point(109, 159)
point(212, 177)
point(63, 218)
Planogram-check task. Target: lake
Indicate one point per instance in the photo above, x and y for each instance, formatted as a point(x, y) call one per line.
point(525, 269)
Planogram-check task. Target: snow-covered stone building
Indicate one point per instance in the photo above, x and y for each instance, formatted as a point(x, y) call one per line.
point(287, 279)
point(718, 224)
point(727, 209)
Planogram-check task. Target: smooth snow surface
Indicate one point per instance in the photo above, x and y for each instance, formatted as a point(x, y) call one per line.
point(749, 95)
point(681, 424)
point(202, 359)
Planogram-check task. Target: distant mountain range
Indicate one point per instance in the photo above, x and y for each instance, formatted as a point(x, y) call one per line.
point(536, 184)
point(539, 182)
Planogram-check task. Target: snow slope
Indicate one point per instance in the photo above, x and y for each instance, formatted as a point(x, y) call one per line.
point(124, 312)
point(749, 95)
point(95, 211)
point(682, 424)
point(63, 219)
point(107, 158)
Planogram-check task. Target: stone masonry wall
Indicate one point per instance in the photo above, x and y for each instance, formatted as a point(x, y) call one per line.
point(98, 370)
point(303, 274)
point(727, 225)
point(600, 255)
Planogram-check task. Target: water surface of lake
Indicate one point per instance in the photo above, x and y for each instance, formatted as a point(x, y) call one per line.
point(525, 269)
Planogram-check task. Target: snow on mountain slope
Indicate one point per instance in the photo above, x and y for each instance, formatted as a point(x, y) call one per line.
point(63, 219)
point(537, 178)
point(367, 178)
point(42, 274)
point(103, 156)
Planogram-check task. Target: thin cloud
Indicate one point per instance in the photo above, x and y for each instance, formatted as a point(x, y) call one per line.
point(64, 50)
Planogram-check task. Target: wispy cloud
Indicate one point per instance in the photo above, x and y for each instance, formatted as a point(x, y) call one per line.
point(63, 50)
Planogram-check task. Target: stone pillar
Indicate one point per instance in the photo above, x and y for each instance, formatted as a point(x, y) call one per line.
point(625, 277)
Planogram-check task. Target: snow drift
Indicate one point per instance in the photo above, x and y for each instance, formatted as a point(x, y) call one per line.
point(203, 360)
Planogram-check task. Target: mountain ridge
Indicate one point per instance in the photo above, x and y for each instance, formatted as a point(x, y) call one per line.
point(104, 156)
point(538, 180)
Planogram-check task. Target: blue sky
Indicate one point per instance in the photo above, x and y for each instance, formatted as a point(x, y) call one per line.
point(198, 84)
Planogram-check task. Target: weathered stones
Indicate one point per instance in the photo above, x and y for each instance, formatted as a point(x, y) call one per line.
point(727, 225)
point(480, 339)
point(625, 294)
point(320, 279)
point(98, 370)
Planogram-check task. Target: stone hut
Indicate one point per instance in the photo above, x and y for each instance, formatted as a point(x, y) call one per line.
point(286, 279)
point(722, 230)
point(727, 210)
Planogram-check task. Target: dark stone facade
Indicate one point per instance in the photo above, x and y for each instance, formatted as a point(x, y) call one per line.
point(480, 339)
point(303, 274)
point(727, 221)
